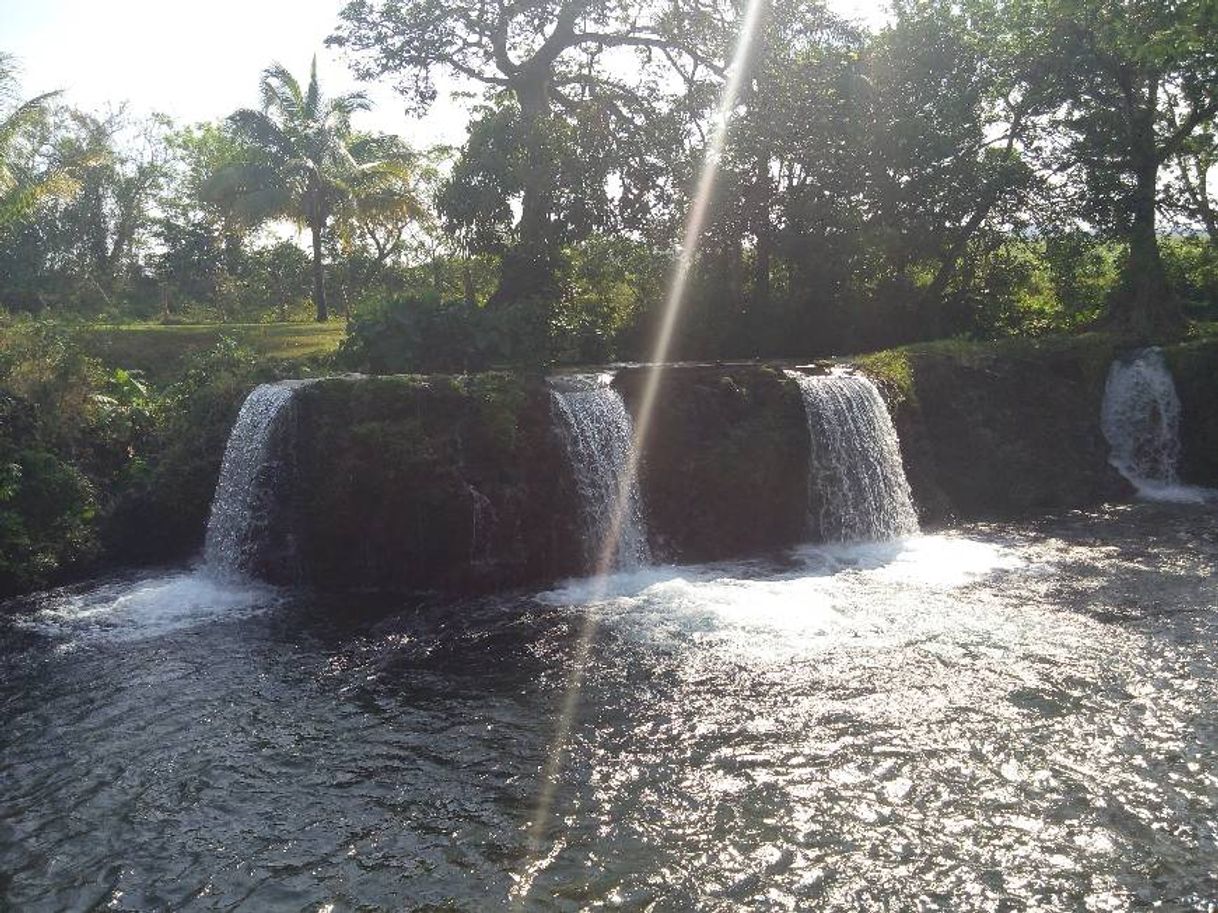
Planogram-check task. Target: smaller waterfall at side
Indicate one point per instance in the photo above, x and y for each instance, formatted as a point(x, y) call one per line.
point(242, 505)
point(857, 486)
point(598, 434)
point(1140, 419)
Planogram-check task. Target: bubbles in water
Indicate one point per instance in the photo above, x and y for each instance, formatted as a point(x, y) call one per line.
point(598, 434)
point(858, 490)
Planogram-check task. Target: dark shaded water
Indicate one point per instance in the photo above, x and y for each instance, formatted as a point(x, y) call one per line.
point(1024, 719)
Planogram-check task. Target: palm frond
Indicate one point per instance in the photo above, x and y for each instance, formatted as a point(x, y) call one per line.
point(258, 129)
point(251, 192)
point(309, 166)
point(26, 116)
point(312, 100)
point(281, 92)
point(19, 199)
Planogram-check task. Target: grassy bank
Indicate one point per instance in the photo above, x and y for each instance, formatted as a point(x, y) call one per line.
point(162, 351)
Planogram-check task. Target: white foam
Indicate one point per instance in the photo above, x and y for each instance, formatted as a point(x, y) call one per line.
point(147, 607)
point(1173, 492)
point(872, 592)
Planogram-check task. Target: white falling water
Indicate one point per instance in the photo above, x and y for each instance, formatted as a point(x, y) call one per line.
point(1140, 419)
point(240, 507)
point(858, 490)
point(598, 434)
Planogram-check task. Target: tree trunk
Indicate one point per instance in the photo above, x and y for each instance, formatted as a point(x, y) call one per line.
point(319, 276)
point(528, 273)
point(535, 205)
point(467, 284)
point(528, 270)
point(1144, 304)
point(762, 231)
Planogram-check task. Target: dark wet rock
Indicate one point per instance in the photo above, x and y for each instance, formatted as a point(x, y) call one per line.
point(463, 484)
point(1194, 367)
point(410, 482)
point(988, 431)
point(725, 471)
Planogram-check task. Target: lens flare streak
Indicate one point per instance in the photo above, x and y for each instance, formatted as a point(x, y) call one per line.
point(537, 860)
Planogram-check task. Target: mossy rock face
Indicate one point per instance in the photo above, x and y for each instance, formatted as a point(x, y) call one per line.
point(420, 483)
point(725, 467)
point(1008, 432)
point(1194, 367)
point(892, 373)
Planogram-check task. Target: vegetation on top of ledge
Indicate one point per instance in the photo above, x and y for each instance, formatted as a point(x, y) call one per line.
point(895, 369)
point(92, 456)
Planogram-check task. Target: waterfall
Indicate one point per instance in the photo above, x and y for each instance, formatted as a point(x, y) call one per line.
point(1140, 419)
point(598, 434)
point(857, 485)
point(244, 500)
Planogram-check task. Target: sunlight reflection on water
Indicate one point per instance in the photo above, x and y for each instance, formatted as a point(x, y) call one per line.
point(1021, 718)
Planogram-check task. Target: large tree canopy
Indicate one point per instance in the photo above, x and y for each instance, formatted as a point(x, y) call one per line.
point(1139, 79)
point(559, 62)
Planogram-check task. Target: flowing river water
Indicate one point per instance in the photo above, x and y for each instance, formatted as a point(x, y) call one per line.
point(1007, 717)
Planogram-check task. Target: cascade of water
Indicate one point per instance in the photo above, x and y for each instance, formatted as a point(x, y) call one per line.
point(598, 434)
point(242, 505)
point(857, 485)
point(1140, 419)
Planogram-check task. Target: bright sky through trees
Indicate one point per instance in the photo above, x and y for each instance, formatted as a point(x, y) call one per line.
point(199, 61)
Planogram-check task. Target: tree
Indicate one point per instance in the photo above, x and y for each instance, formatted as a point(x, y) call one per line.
point(1139, 79)
point(550, 58)
point(89, 246)
point(25, 179)
point(952, 104)
point(1194, 197)
point(792, 178)
point(308, 165)
point(112, 214)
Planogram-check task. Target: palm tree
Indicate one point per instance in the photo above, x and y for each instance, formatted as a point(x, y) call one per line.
point(22, 186)
point(308, 165)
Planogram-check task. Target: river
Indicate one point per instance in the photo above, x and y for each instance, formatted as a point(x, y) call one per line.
point(1018, 716)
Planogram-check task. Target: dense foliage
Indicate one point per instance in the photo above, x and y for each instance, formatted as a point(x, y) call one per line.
point(93, 457)
point(979, 168)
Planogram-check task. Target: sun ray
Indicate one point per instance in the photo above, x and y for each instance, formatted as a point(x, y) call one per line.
point(674, 302)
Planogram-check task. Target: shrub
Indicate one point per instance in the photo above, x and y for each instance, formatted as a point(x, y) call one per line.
point(46, 519)
point(418, 333)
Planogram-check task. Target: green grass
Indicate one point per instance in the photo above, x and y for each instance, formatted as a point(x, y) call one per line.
point(159, 351)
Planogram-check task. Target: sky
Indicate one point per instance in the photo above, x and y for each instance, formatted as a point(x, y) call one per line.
point(201, 60)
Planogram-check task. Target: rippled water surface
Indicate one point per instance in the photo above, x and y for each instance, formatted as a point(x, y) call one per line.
point(1005, 718)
